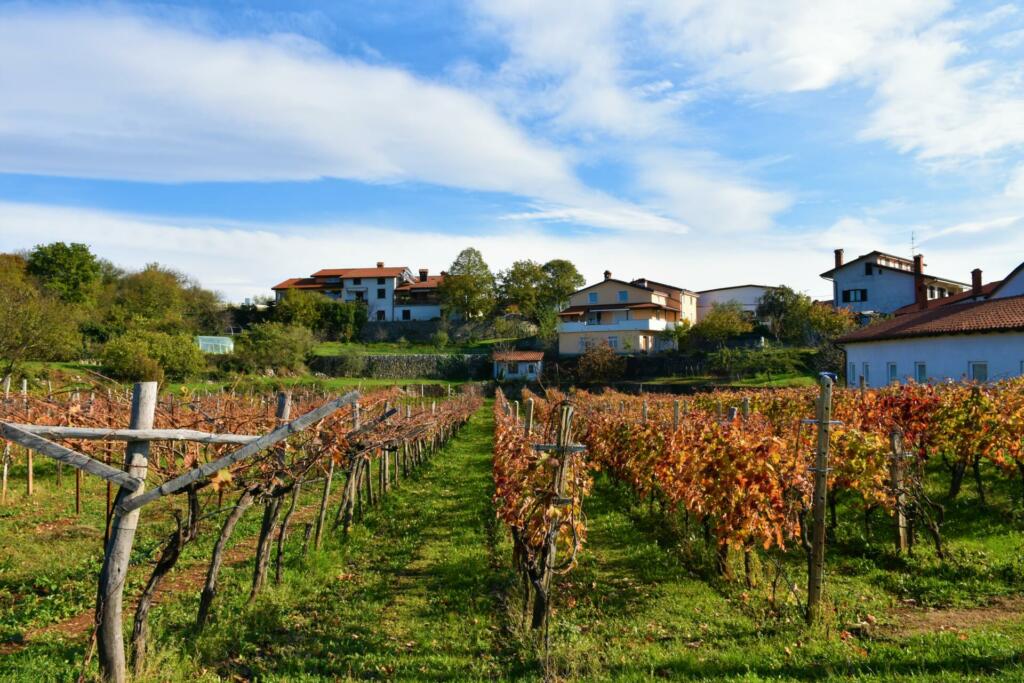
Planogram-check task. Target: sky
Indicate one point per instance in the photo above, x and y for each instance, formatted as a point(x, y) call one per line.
point(699, 143)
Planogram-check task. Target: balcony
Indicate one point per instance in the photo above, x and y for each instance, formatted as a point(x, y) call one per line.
point(649, 325)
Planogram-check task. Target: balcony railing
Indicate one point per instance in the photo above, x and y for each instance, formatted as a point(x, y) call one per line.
point(649, 325)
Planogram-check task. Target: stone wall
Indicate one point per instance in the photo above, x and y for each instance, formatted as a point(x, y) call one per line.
point(409, 366)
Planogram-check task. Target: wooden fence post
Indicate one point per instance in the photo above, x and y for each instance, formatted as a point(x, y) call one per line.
point(110, 594)
point(30, 482)
point(896, 474)
point(675, 415)
point(817, 563)
point(528, 425)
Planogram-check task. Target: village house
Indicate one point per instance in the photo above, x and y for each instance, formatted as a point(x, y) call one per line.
point(627, 316)
point(390, 292)
point(747, 296)
point(977, 335)
point(881, 283)
point(518, 365)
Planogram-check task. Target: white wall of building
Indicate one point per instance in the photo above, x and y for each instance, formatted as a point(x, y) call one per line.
point(377, 308)
point(525, 370)
point(418, 311)
point(945, 358)
point(887, 289)
point(747, 296)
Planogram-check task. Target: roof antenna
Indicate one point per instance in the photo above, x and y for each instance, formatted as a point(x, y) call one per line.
point(913, 244)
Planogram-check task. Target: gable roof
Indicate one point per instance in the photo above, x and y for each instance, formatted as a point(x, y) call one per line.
point(992, 315)
point(656, 284)
point(518, 355)
point(361, 272)
point(1014, 274)
point(829, 273)
point(298, 283)
point(966, 295)
point(722, 289)
point(432, 282)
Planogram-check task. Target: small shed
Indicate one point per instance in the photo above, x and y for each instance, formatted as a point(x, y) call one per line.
point(215, 345)
point(518, 365)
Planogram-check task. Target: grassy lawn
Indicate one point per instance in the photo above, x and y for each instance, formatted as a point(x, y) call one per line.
point(334, 348)
point(711, 381)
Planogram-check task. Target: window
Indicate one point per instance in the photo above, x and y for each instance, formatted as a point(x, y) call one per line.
point(623, 296)
point(380, 281)
point(357, 280)
point(893, 373)
point(531, 369)
point(931, 292)
point(406, 314)
point(865, 374)
point(854, 295)
point(851, 375)
point(868, 269)
point(613, 342)
point(359, 296)
point(978, 371)
point(920, 373)
point(382, 293)
point(380, 315)
point(592, 297)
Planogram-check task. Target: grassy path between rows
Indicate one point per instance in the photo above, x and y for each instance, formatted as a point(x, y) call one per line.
point(632, 611)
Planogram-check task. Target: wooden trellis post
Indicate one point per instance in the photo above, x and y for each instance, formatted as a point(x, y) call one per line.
point(817, 563)
point(896, 475)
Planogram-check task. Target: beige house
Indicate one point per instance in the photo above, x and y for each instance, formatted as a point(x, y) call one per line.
point(627, 316)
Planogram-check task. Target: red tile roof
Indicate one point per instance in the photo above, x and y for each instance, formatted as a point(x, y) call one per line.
point(994, 315)
point(518, 355)
point(298, 283)
point(361, 272)
point(986, 291)
point(432, 282)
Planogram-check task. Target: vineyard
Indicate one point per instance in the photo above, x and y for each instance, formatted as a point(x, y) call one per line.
point(790, 534)
point(734, 472)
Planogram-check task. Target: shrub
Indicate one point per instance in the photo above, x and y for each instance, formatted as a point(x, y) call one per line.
point(439, 339)
point(600, 364)
point(150, 356)
point(273, 346)
point(749, 362)
point(350, 363)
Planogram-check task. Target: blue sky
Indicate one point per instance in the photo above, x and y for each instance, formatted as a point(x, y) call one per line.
point(702, 143)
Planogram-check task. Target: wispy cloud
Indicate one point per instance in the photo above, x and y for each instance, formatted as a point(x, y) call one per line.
point(125, 97)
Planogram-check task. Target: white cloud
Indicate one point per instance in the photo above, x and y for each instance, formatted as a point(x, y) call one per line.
point(117, 96)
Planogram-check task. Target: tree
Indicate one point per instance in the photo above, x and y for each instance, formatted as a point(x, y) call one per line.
point(722, 323)
point(297, 307)
point(273, 345)
point(561, 279)
point(520, 286)
point(794, 318)
point(340, 320)
point(677, 335)
point(144, 355)
point(152, 298)
point(468, 287)
point(68, 271)
point(600, 364)
point(34, 327)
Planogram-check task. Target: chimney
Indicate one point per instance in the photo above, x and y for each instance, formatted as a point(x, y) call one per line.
point(607, 275)
point(839, 258)
point(423, 274)
point(920, 292)
point(976, 282)
point(380, 264)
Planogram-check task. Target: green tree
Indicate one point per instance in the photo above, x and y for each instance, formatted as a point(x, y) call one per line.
point(298, 307)
point(153, 298)
point(519, 288)
point(340, 320)
point(794, 318)
point(468, 288)
point(561, 279)
point(68, 271)
point(142, 355)
point(273, 345)
point(33, 326)
point(722, 323)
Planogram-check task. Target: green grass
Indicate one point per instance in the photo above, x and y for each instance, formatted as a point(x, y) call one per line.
point(422, 590)
point(482, 346)
point(260, 383)
point(757, 381)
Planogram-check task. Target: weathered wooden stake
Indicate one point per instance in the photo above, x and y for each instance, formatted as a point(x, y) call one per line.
point(896, 473)
point(110, 593)
point(528, 425)
point(817, 563)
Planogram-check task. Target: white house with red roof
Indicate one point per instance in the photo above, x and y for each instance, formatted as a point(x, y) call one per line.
point(877, 282)
point(977, 335)
point(390, 292)
point(518, 365)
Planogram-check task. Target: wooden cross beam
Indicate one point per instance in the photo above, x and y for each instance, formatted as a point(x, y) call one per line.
point(103, 434)
point(65, 455)
point(246, 451)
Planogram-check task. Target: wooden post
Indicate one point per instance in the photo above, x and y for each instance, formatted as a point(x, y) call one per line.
point(515, 410)
point(746, 407)
point(675, 415)
point(896, 474)
point(732, 414)
point(817, 563)
point(643, 412)
point(110, 593)
point(528, 424)
point(30, 484)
